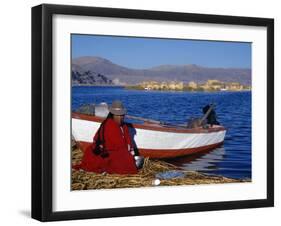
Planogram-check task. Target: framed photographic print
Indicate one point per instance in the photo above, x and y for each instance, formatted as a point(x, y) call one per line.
point(140, 112)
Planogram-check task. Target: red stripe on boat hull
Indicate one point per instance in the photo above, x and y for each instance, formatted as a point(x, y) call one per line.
point(152, 153)
point(164, 153)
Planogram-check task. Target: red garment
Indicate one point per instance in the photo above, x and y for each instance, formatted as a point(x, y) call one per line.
point(117, 144)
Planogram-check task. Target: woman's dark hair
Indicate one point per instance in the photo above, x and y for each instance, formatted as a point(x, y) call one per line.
point(110, 115)
point(100, 140)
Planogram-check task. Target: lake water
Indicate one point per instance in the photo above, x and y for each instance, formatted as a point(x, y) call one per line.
point(233, 109)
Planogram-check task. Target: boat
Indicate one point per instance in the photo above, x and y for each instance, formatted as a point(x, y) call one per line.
point(152, 139)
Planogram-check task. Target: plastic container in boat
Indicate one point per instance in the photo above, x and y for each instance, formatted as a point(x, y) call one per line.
point(101, 110)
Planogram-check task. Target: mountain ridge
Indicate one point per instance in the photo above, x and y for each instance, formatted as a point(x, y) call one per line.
point(118, 74)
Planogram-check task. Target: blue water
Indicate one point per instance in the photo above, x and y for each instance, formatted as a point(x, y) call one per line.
point(233, 110)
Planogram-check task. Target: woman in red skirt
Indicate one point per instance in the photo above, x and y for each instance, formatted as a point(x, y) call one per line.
point(112, 150)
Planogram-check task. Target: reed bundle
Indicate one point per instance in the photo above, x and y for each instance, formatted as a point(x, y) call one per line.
point(146, 177)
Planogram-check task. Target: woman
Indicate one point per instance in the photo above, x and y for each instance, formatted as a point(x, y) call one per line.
point(112, 150)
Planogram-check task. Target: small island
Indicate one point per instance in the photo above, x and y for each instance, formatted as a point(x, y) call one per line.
point(208, 86)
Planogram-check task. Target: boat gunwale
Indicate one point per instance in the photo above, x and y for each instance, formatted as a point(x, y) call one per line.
point(151, 126)
point(164, 153)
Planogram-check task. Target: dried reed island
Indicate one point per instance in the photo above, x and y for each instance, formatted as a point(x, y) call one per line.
point(208, 86)
point(148, 176)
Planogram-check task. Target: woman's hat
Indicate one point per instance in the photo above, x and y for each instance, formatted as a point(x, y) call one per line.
point(117, 108)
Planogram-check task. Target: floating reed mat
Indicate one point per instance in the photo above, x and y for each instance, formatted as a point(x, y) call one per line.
point(147, 176)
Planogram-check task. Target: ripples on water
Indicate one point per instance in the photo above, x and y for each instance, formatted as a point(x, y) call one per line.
point(233, 109)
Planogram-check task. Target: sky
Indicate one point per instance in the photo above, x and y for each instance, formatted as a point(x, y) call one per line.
point(142, 53)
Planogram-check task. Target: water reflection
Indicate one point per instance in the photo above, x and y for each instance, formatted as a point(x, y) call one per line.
point(203, 162)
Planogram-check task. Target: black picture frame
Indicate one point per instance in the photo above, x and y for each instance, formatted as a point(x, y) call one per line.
point(42, 107)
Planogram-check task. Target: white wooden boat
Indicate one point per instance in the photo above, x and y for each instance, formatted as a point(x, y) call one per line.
point(154, 140)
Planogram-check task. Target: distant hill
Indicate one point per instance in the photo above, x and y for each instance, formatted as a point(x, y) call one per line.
point(97, 70)
point(88, 77)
